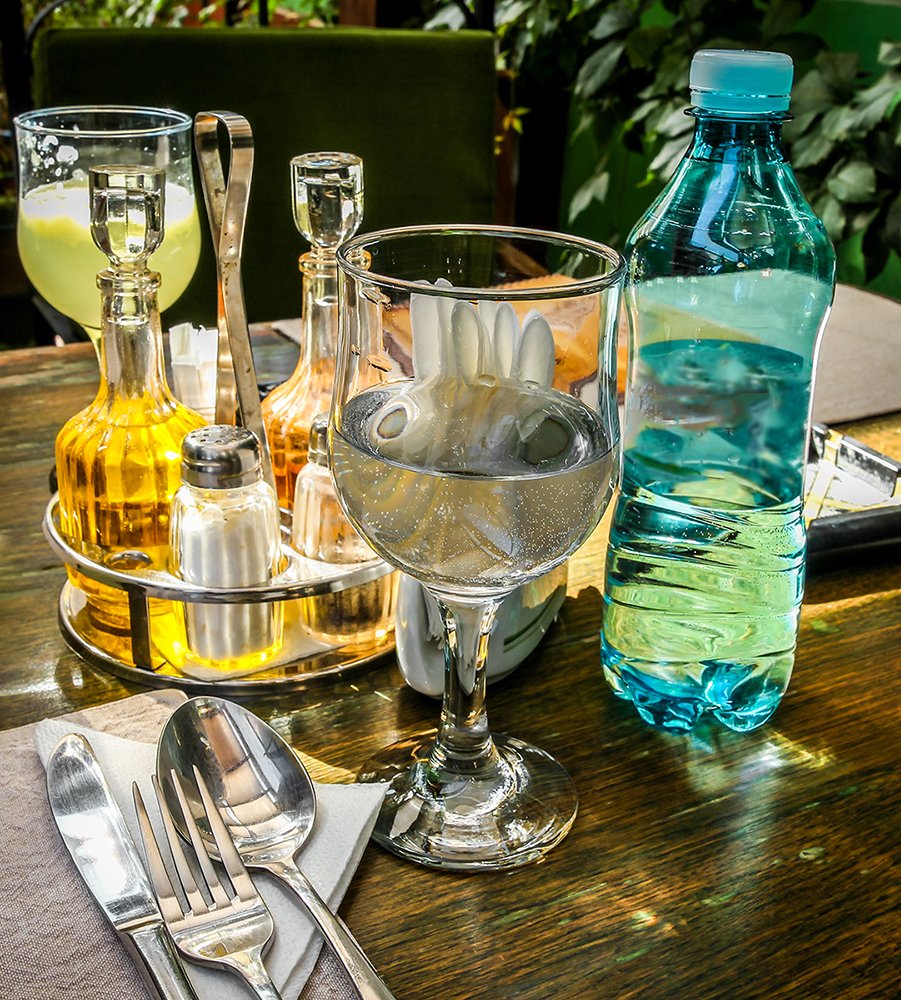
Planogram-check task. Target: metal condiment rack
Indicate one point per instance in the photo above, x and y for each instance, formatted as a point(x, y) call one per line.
point(301, 578)
point(237, 402)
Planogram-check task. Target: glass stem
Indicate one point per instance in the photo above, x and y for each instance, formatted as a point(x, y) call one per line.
point(464, 745)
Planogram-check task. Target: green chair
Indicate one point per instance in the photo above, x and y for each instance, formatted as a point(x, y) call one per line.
point(418, 107)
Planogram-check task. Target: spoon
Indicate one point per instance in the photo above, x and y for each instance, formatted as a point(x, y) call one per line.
point(266, 799)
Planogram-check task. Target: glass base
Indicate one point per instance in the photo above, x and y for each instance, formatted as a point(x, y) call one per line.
point(509, 812)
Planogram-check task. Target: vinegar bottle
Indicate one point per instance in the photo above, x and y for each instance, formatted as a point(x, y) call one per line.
point(729, 282)
point(328, 209)
point(118, 460)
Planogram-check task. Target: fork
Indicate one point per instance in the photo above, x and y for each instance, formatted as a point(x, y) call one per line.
point(230, 930)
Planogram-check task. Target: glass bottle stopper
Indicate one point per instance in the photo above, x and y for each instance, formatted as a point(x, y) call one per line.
point(127, 213)
point(328, 197)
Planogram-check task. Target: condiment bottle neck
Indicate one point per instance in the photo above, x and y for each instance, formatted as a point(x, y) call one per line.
point(319, 316)
point(131, 350)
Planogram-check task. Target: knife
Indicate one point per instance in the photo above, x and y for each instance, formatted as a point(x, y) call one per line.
point(95, 834)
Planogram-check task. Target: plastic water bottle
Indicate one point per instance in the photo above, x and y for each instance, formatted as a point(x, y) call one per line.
point(730, 280)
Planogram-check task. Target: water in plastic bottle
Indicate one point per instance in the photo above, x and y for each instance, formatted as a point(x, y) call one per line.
point(730, 278)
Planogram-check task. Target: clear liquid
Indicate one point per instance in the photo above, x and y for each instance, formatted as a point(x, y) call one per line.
point(705, 568)
point(62, 262)
point(472, 488)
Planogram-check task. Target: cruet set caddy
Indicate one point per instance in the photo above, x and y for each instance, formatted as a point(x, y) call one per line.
point(229, 609)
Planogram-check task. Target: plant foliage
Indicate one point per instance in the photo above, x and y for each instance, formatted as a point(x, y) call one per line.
point(173, 13)
point(626, 63)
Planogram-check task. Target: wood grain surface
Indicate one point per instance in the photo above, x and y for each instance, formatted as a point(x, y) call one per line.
point(712, 865)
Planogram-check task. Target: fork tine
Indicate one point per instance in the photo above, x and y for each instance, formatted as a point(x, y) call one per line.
point(220, 896)
point(228, 854)
point(196, 902)
point(170, 908)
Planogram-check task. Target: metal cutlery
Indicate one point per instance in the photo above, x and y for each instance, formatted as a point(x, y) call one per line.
point(95, 834)
point(216, 926)
point(265, 796)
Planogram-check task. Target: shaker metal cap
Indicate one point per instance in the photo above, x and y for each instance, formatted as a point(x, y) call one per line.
point(318, 447)
point(220, 457)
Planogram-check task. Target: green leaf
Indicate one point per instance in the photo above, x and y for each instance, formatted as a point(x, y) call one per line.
point(853, 182)
point(872, 104)
point(794, 129)
point(643, 44)
point(644, 110)
point(448, 17)
point(594, 189)
point(662, 112)
point(578, 7)
point(890, 53)
point(861, 220)
point(839, 71)
point(693, 9)
point(598, 68)
point(585, 124)
point(833, 216)
point(512, 10)
point(811, 94)
point(612, 21)
point(811, 149)
point(669, 157)
point(840, 122)
point(779, 19)
point(884, 153)
point(675, 123)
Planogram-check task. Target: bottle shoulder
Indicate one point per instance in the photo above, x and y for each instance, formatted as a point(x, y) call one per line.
point(134, 414)
point(304, 395)
point(104, 440)
point(730, 223)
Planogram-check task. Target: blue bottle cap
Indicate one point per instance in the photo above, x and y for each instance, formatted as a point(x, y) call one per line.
point(743, 81)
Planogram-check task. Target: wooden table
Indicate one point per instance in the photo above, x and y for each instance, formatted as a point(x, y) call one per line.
point(706, 866)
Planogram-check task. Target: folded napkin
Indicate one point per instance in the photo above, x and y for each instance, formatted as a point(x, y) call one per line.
point(857, 364)
point(56, 942)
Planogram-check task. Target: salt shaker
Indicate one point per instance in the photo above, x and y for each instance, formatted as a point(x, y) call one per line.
point(225, 534)
point(322, 532)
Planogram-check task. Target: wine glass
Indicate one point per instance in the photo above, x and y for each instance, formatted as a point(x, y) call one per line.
point(56, 148)
point(474, 444)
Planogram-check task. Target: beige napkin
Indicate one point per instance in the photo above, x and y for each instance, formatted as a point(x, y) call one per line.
point(859, 362)
point(55, 943)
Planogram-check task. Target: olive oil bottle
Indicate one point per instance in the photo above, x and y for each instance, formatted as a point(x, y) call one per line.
point(118, 460)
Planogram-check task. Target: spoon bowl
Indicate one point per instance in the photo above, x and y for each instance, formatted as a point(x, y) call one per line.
point(261, 788)
point(266, 799)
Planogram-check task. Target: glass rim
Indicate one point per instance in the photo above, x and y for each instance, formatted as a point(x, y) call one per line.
point(178, 120)
point(339, 159)
point(568, 289)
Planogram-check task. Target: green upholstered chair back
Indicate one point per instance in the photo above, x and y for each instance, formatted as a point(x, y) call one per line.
point(418, 107)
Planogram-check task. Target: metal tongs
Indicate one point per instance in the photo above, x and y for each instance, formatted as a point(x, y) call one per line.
point(237, 396)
